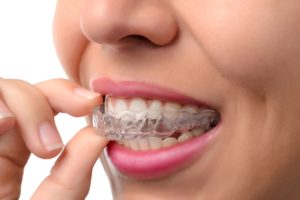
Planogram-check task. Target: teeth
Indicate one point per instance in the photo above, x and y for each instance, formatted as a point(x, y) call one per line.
point(126, 144)
point(137, 105)
point(172, 110)
point(154, 143)
point(134, 145)
point(120, 105)
point(185, 136)
point(143, 144)
point(154, 110)
point(135, 118)
point(170, 141)
point(197, 131)
point(191, 109)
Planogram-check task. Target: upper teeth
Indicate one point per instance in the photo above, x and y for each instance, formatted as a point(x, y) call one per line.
point(121, 118)
point(153, 108)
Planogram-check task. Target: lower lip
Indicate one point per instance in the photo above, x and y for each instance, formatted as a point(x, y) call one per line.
point(154, 164)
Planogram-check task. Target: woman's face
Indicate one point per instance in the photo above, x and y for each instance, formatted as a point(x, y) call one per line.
point(241, 58)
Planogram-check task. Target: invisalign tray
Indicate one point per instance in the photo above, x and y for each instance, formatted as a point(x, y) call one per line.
point(127, 125)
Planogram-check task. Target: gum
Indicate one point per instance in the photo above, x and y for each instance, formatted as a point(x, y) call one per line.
point(129, 125)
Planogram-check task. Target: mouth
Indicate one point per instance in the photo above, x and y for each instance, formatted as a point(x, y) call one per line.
point(156, 131)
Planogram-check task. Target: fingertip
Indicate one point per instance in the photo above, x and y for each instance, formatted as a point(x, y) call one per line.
point(87, 100)
point(71, 175)
point(49, 136)
point(100, 141)
point(48, 144)
point(79, 157)
point(86, 94)
point(71, 98)
point(46, 154)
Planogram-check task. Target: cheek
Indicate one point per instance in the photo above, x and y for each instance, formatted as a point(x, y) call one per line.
point(251, 43)
point(68, 38)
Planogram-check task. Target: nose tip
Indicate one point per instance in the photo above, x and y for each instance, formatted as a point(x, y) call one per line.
point(109, 22)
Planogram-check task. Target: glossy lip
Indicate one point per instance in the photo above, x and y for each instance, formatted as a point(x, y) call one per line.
point(140, 89)
point(155, 164)
point(152, 164)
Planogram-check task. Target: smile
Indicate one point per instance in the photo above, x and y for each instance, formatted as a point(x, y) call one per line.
point(157, 131)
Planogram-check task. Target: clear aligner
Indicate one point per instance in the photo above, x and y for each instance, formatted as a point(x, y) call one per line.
point(127, 125)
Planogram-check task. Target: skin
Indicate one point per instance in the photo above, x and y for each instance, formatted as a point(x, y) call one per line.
point(20, 128)
point(240, 56)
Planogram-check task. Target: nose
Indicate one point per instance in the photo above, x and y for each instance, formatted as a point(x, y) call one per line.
point(111, 21)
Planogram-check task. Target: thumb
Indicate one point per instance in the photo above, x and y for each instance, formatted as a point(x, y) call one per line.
point(71, 175)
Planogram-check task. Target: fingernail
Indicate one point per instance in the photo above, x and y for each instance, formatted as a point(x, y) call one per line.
point(82, 92)
point(4, 112)
point(50, 136)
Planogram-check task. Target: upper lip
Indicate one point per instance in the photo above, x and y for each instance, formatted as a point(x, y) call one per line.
point(128, 88)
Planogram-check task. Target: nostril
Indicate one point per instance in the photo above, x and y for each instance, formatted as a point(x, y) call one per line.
point(135, 40)
point(136, 37)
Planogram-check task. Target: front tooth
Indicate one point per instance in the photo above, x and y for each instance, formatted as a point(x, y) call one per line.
point(120, 105)
point(185, 136)
point(155, 143)
point(172, 110)
point(126, 144)
point(170, 141)
point(137, 105)
point(143, 144)
point(134, 145)
point(154, 110)
point(138, 108)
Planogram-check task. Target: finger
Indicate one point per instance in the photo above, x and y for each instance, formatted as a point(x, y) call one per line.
point(7, 119)
point(13, 157)
point(34, 117)
point(33, 109)
point(68, 97)
point(71, 175)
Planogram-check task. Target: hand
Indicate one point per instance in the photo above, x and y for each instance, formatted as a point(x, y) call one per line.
point(71, 175)
point(27, 124)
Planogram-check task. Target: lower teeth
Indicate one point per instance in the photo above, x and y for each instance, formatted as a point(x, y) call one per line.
point(154, 143)
point(129, 125)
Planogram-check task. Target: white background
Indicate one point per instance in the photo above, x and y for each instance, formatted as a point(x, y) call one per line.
point(27, 52)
